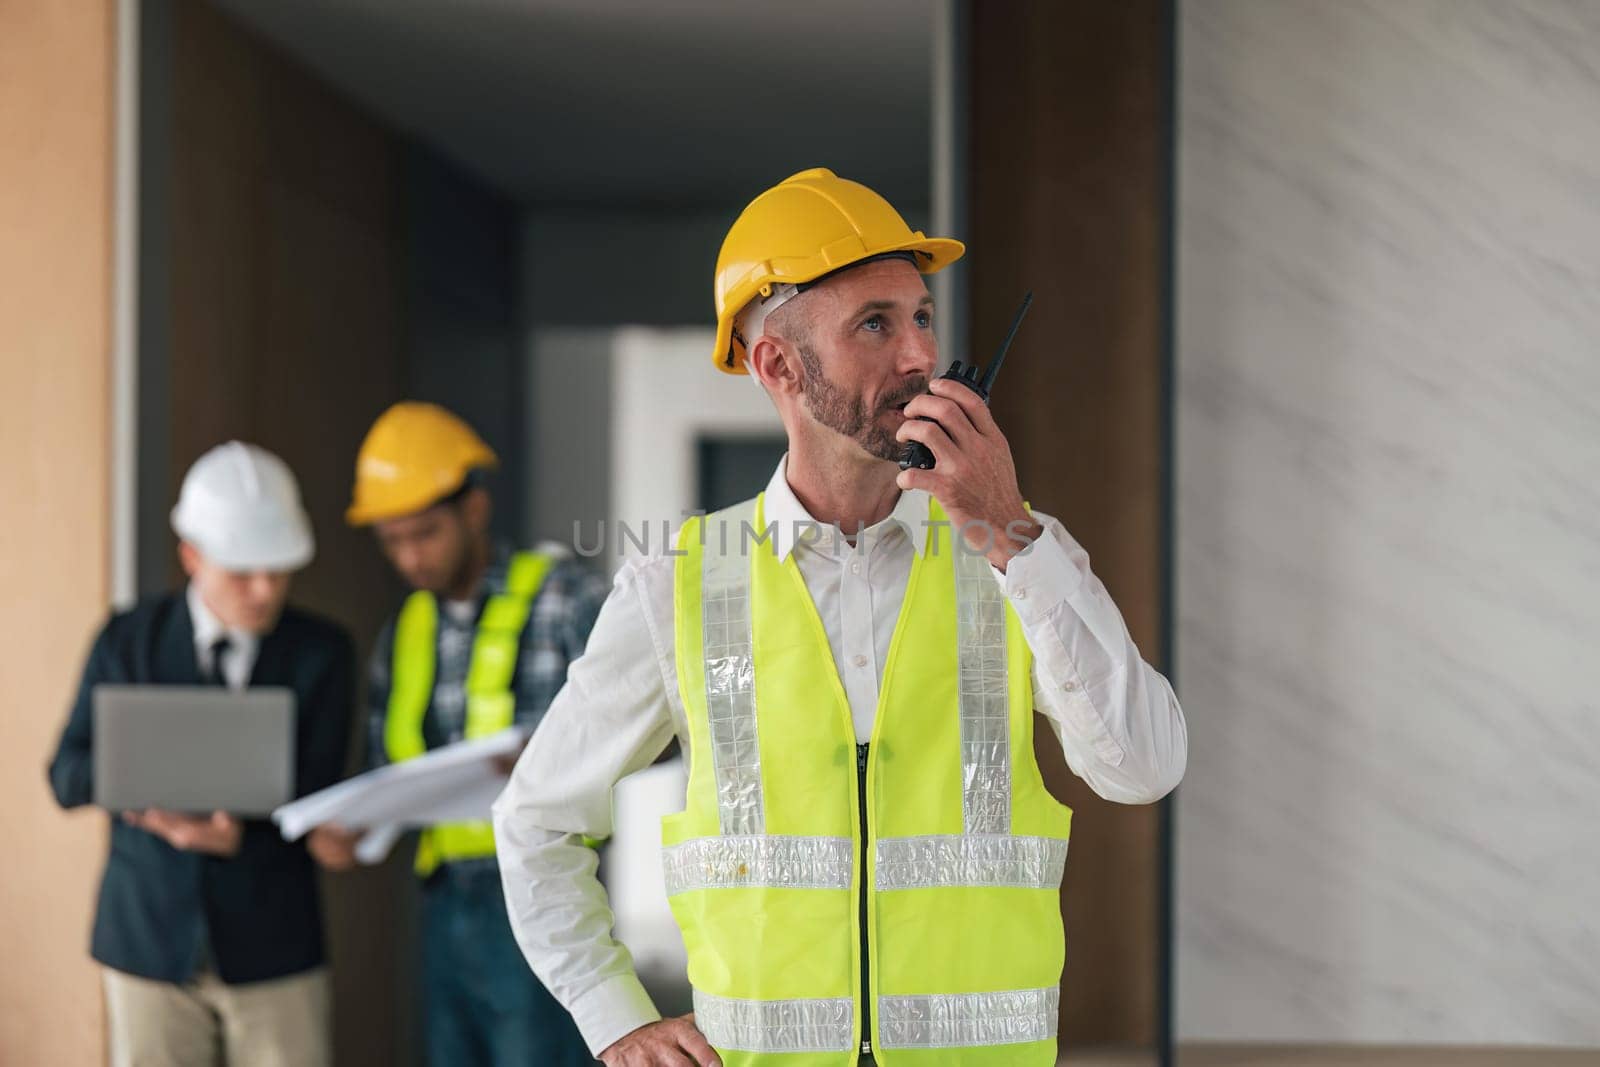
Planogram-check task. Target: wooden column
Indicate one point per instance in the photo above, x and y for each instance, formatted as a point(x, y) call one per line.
point(1068, 198)
point(286, 243)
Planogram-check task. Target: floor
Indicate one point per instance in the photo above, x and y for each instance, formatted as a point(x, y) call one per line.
point(1351, 1056)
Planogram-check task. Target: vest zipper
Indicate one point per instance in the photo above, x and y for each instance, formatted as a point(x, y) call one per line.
point(866, 966)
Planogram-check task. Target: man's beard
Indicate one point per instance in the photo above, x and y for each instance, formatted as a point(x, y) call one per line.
point(848, 415)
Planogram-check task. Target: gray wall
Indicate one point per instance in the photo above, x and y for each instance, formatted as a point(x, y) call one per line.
point(630, 266)
point(614, 267)
point(569, 400)
point(463, 339)
point(1387, 520)
point(585, 272)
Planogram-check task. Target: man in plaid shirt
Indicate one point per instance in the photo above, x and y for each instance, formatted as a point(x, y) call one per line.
point(558, 625)
point(481, 645)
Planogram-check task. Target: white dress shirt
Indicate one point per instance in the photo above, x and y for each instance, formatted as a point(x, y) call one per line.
point(1115, 716)
point(208, 629)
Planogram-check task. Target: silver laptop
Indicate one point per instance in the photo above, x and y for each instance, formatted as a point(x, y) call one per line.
point(194, 749)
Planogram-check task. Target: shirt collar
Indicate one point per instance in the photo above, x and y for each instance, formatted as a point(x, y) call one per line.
point(788, 518)
point(493, 580)
point(208, 628)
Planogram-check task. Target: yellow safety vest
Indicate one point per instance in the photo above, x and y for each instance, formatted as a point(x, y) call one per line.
point(936, 847)
point(491, 705)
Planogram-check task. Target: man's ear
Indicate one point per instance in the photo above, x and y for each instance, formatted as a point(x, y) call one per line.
point(189, 557)
point(775, 363)
point(477, 508)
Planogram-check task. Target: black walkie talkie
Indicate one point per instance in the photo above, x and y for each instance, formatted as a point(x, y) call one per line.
point(916, 453)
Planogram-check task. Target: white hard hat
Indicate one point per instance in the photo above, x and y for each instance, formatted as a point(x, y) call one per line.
point(240, 506)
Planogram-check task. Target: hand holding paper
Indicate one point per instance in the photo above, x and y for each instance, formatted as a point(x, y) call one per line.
point(456, 783)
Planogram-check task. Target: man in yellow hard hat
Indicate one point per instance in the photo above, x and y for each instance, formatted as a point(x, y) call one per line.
point(481, 645)
point(867, 863)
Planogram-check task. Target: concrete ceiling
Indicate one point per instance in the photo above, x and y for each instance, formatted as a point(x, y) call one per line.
point(677, 103)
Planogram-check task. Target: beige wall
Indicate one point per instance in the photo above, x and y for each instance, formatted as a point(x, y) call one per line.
point(55, 299)
point(284, 241)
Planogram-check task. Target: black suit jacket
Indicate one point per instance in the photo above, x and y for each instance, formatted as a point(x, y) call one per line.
point(162, 910)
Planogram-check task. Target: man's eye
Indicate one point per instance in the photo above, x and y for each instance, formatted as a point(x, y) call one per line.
point(924, 319)
point(874, 323)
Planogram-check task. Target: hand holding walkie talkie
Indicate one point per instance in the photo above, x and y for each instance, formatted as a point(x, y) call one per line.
point(916, 453)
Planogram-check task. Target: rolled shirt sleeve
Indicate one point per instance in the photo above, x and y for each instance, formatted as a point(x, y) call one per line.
point(1116, 717)
point(613, 717)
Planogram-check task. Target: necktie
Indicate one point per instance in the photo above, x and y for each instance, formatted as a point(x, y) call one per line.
point(220, 648)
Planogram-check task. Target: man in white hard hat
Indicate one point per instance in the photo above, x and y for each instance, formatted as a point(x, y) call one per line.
point(867, 864)
point(209, 928)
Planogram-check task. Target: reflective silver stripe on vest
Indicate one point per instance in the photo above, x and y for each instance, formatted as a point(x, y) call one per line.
point(730, 689)
point(963, 1020)
point(826, 1025)
point(969, 860)
point(778, 862)
point(985, 697)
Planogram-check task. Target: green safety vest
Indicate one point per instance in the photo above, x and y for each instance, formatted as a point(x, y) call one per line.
point(491, 705)
point(938, 842)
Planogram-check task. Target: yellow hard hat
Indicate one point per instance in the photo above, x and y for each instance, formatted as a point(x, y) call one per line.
point(801, 229)
point(414, 456)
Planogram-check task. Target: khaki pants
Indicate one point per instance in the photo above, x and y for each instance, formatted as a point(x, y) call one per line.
point(282, 1022)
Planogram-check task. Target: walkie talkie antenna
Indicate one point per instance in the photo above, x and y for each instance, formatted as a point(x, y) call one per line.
point(1000, 356)
point(918, 455)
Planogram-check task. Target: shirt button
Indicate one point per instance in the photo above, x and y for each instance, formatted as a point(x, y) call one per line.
point(1020, 594)
point(855, 568)
point(1071, 687)
point(860, 661)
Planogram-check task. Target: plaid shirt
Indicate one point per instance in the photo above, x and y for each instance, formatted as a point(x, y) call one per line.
point(559, 621)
